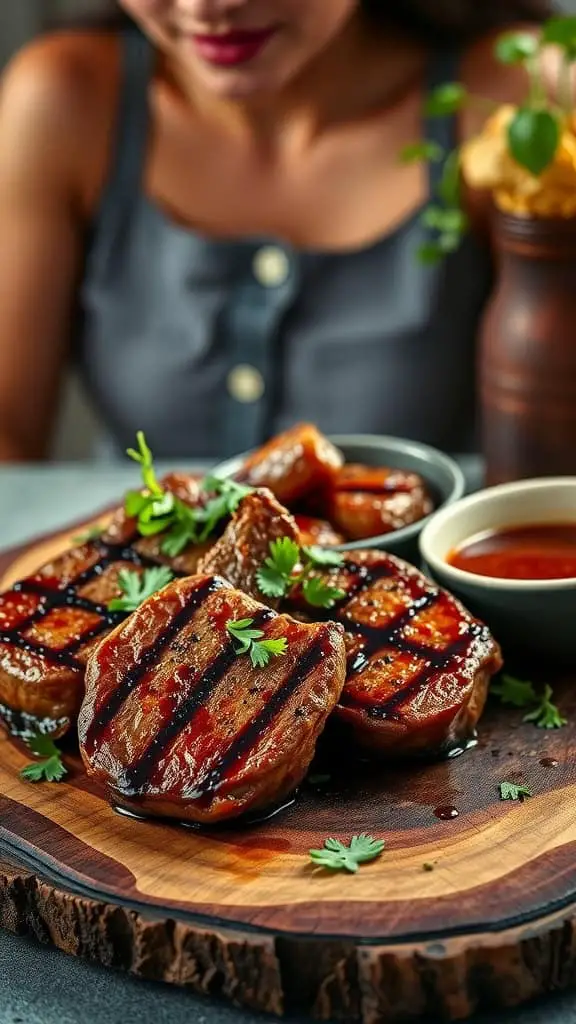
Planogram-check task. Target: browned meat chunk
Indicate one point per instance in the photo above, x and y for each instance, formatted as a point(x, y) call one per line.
point(177, 723)
point(245, 544)
point(419, 665)
point(317, 532)
point(365, 502)
point(51, 621)
point(293, 464)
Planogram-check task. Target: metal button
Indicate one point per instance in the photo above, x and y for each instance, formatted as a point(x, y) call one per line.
point(271, 266)
point(245, 383)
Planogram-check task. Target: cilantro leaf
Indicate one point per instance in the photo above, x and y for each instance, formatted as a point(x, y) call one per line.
point(262, 650)
point(138, 587)
point(323, 557)
point(509, 791)
point(514, 692)
point(51, 768)
point(336, 856)
point(274, 578)
point(546, 715)
point(320, 594)
point(251, 642)
point(284, 555)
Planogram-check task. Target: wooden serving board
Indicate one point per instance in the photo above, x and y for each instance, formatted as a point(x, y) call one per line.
point(240, 912)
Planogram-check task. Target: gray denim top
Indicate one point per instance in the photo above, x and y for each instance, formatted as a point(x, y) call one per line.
point(211, 346)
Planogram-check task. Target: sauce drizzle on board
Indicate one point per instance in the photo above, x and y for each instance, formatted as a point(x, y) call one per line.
point(540, 551)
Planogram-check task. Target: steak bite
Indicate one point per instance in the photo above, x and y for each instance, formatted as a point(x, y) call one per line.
point(317, 532)
point(178, 722)
point(418, 664)
point(365, 502)
point(51, 621)
point(293, 463)
point(245, 543)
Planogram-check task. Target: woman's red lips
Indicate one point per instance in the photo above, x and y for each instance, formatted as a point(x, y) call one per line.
point(233, 47)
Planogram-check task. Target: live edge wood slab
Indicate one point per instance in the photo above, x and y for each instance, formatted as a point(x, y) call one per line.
point(240, 912)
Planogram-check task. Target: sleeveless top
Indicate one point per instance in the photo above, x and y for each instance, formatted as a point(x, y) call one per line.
point(212, 346)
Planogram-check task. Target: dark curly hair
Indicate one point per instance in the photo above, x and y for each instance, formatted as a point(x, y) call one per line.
point(434, 21)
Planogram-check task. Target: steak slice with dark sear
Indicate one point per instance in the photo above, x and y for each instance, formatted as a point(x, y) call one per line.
point(419, 664)
point(293, 463)
point(177, 723)
point(245, 544)
point(51, 621)
point(365, 502)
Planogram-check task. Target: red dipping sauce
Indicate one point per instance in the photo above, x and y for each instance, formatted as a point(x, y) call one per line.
point(543, 551)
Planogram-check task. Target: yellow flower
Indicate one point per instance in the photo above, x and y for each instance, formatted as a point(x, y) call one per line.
point(487, 163)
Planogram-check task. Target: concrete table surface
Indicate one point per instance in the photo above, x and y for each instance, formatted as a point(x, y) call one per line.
point(40, 985)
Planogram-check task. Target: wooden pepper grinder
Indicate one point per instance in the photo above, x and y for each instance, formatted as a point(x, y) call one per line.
point(527, 371)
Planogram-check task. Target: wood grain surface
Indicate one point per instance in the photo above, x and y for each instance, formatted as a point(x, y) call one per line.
point(240, 911)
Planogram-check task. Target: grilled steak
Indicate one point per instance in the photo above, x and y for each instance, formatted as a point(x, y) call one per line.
point(317, 532)
point(51, 621)
point(293, 464)
point(418, 665)
point(365, 502)
point(176, 723)
point(245, 544)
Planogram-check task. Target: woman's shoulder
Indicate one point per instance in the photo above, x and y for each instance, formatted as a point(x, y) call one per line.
point(58, 97)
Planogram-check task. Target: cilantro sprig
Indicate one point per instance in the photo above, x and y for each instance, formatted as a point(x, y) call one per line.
point(159, 511)
point(137, 587)
point(288, 565)
point(521, 694)
point(336, 856)
point(50, 768)
point(250, 642)
point(546, 715)
point(509, 791)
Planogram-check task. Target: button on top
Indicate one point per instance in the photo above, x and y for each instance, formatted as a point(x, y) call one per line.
point(271, 266)
point(245, 383)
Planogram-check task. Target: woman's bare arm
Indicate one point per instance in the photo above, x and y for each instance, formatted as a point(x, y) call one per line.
point(45, 109)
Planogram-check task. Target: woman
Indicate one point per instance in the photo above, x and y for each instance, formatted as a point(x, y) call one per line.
point(206, 211)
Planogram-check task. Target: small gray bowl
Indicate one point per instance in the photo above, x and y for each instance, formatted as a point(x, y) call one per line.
point(527, 617)
point(442, 474)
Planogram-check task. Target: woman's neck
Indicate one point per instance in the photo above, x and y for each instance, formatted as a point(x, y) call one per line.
point(360, 72)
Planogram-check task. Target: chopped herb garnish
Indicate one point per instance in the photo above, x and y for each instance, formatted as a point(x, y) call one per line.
point(323, 557)
point(509, 791)
point(276, 576)
point(335, 856)
point(159, 511)
point(94, 533)
point(514, 692)
point(546, 715)
point(251, 642)
point(50, 768)
point(288, 565)
point(320, 594)
point(427, 866)
point(519, 694)
point(137, 587)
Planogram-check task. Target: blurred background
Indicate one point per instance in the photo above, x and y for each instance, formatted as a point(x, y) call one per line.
point(20, 20)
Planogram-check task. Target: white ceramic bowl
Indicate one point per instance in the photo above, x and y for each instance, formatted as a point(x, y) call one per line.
point(526, 616)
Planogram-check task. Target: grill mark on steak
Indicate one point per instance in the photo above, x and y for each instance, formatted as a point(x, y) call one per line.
point(139, 775)
point(52, 598)
point(375, 638)
point(104, 717)
point(307, 662)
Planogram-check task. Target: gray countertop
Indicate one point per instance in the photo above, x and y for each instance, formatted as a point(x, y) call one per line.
point(39, 985)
